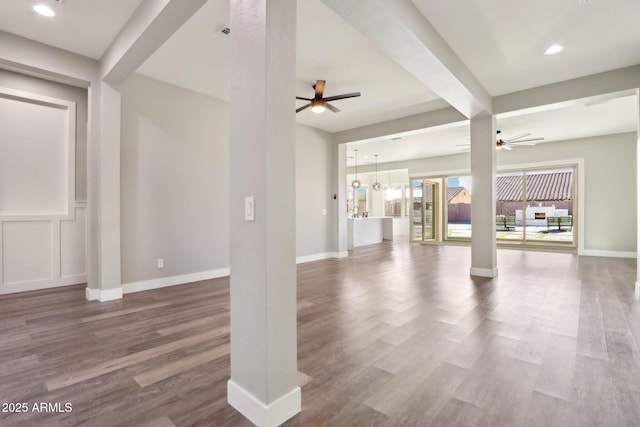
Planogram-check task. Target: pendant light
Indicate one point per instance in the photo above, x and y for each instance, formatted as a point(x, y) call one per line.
point(356, 183)
point(376, 185)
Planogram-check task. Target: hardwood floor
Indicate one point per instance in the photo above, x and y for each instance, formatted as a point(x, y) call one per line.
point(393, 335)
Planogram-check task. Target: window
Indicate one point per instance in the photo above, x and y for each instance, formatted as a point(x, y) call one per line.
point(458, 207)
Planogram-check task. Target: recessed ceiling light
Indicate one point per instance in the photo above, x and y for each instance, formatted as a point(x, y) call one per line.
point(44, 10)
point(552, 50)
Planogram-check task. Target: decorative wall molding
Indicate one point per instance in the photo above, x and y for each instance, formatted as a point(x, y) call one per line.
point(68, 198)
point(62, 262)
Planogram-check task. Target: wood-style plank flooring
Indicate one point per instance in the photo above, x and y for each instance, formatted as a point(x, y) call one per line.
point(393, 335)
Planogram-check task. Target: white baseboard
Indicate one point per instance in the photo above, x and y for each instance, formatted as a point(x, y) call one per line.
point(163, 282)
point(484, 272)
point(259, 413)
point(14, 287)
point(321, 256)
point(609, 254)
point(103, 295)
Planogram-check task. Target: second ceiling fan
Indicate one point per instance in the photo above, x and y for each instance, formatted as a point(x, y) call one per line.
point(509, 143)
point(318, 103)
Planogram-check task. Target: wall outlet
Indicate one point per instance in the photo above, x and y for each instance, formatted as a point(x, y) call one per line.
point(160, 263)
point(324, 212)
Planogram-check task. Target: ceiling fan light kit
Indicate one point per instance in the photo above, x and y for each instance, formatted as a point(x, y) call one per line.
point(319, 103)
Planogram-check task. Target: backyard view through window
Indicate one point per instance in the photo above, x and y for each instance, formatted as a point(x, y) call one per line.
point(531, 206)
point(459, 207)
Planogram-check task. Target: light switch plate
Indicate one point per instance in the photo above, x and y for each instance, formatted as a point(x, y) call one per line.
point(249, 208)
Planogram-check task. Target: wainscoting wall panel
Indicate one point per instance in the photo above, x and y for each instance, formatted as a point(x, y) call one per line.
point(39, 254)
point(42, 226)
point(28, 251)
point(73, 244)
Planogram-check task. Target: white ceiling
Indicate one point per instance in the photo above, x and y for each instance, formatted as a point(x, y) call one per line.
point(501, 42)
point(86, 27)
point(197, 57)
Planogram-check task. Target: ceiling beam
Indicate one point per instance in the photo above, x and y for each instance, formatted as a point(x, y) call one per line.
point(153, 22)
point(400, 30)
point(402, 126)
point(558, 94)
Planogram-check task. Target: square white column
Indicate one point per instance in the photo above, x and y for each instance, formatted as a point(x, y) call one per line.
point(483, 205)
point(263, 383)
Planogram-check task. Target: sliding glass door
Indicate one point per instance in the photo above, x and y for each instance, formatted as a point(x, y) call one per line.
point(424, 213)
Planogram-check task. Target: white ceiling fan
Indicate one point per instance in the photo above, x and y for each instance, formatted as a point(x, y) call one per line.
point(509, 143)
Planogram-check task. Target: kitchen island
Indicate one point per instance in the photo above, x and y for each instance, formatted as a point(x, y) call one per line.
point(367, 231)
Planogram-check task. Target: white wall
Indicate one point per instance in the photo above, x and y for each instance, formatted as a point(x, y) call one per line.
point(175, 185)
point(609, 190)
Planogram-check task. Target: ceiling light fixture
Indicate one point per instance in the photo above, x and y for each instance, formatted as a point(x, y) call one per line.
point(376, 185)
point(356, 183)
point(317, 106)
point(44, 10)
point(552, 50)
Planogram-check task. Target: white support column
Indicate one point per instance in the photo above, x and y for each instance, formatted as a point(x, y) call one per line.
point(263, 384)
point(637, 293)
point(341, 203)
point(107, 202)
point(483, 205)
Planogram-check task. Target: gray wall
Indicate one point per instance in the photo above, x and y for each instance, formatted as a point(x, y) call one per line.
point(314, 156)
point(609, 189)
point(175, 182)
point(25, 83)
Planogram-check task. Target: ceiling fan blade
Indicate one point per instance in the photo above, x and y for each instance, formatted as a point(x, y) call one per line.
point(517, 137)
point(463, 145)
point(343, 96)
point(331, 107)
point(319, 87)
point(506, 147)
point(304, 107)
point(527, 140)
point(304, 99)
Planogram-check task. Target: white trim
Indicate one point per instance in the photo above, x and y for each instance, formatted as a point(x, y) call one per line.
point(35, 285)
point(163, 282)
point(315, 257)
point(321, 256)
point(103, 295)
point(604, 253)
point(483, 272)
point(70, 147)
point(259, 413)
point(637, 293)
